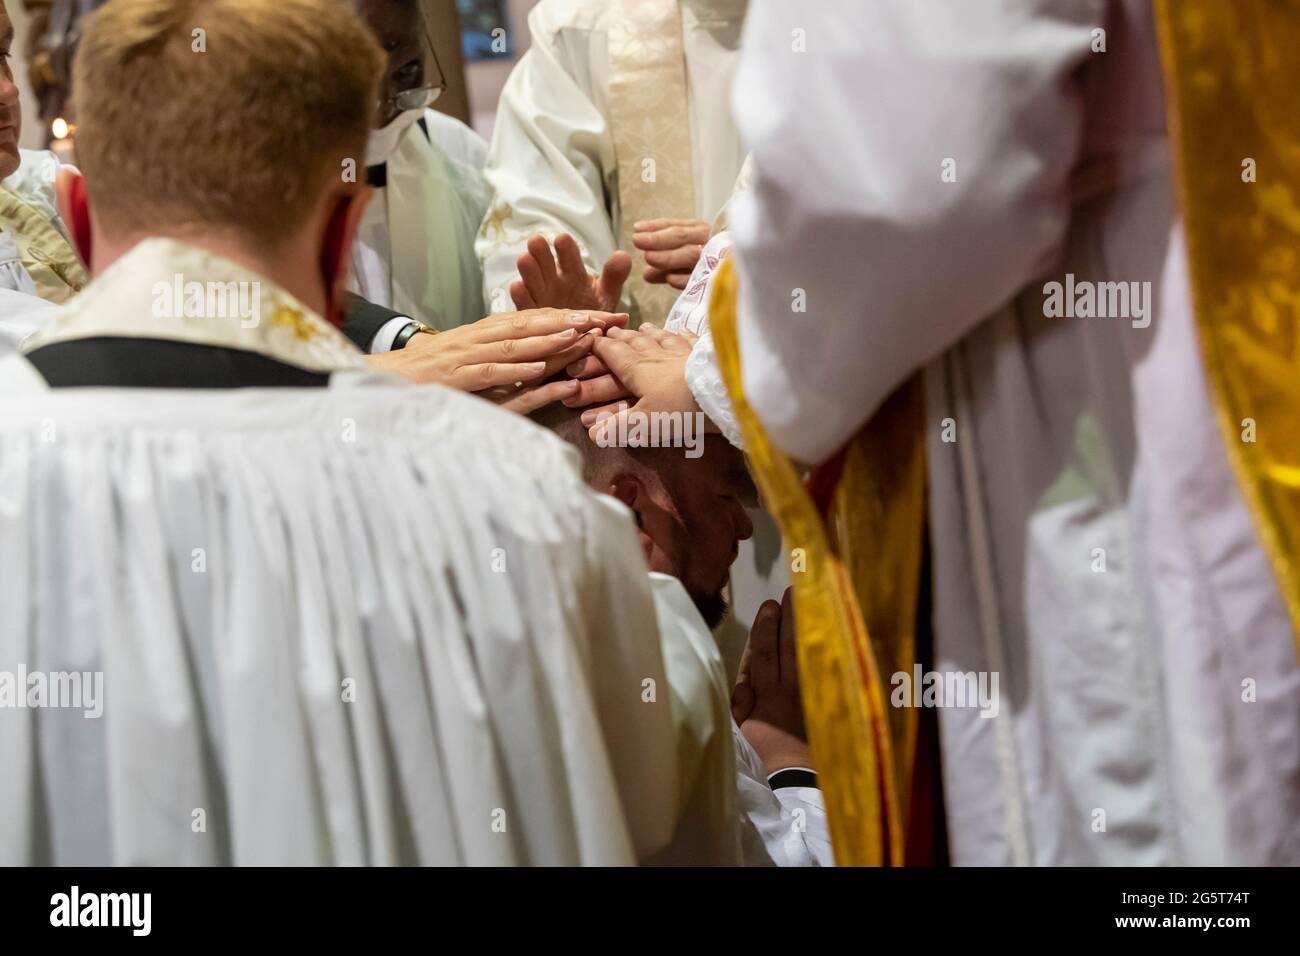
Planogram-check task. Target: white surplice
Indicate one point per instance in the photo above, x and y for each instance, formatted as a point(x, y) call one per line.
point(22, 312)
point(414, 251)
point(33, 183)
point(366, 623)
point(1090, 544)
point(552, 165)
point(14, 276)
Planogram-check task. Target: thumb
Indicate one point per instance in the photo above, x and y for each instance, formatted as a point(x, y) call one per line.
point(612, 277)
point(742, 701)
point(610, 425)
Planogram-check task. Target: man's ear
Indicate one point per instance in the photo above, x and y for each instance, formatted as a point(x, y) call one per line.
point(630, 490)
point(626, 488)
point(74, 207)
point(336, 245)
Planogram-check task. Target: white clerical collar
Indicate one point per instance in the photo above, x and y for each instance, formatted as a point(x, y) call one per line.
point(164, 289)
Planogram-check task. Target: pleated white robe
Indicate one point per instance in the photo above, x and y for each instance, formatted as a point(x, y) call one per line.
point(370, 623)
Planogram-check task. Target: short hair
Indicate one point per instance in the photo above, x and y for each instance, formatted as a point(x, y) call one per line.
point(601, 462)
point(221, 113)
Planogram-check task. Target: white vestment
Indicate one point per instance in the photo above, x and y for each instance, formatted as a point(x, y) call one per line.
point(365, 623)
point(786, 827)
point(921, 172)
point(414, 251)
point(33, 183)
point(552, 165)
point(22, 312)
point(14, 276)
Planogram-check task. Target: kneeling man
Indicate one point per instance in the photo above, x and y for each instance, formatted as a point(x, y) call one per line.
point(688, 495)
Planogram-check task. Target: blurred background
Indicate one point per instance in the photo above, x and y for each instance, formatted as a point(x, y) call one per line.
point(477, 43)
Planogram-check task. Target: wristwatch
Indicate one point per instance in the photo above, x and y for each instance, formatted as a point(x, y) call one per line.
point(409, 332)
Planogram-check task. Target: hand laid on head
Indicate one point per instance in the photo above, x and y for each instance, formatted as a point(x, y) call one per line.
point(561, 280)
point(504, 357)
point(648, 365)
point(671, 247)
point(766, 702)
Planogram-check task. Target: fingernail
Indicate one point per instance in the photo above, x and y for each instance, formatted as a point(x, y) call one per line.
point(577, 318)
point(575, 368)
point(571, 385)
point(536, 366)
point(568, 333)
point(588, 418)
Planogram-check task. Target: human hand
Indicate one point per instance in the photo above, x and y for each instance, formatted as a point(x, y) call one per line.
point(672, 247)
point(500, 351)
point(648, 365)
point(561, 280)
point(766, 702)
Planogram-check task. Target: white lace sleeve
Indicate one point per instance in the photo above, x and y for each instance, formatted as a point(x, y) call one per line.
point(705, 380)
point(691, 314)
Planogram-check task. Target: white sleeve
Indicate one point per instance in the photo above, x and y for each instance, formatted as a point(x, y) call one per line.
point(551, 163)
point(690, 313)
point(383, 340)
point(707, 818)
point(625, 651)
point(13, 274)
point(705, 380)
point(22, 313)
point(859, 262)
point(785, 827)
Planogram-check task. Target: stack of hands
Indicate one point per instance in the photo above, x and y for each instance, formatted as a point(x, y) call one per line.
point(568, 321)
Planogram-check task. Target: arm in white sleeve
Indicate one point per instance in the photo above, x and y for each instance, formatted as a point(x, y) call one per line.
point(625, 652)
point(551, 163)
point(708, 820)
point(858, 263)
point(691, 314)
point(784, 827)
point(704, 377)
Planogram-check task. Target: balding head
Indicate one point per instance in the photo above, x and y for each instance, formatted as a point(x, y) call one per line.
point(690, 511)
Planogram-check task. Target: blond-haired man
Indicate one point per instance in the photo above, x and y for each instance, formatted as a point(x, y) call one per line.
point(328, 618)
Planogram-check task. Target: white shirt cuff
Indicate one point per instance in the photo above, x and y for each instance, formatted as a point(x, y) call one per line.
point(383, 340)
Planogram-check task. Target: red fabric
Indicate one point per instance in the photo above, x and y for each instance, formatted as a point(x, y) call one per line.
point(824, 479)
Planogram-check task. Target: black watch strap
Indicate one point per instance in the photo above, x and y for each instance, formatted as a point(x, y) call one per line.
point(404, 336)
point(792, 777)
